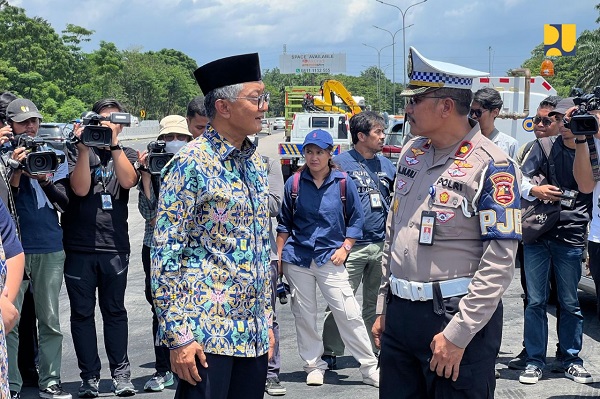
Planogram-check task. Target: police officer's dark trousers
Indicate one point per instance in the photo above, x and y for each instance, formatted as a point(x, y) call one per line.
point(405, 353)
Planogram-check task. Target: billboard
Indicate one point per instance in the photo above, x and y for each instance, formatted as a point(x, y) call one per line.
point(313, 63)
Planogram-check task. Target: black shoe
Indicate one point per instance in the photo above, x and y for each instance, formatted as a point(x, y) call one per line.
point(54, 392)
point(122, 385)
point(274, 388)
point(89, 388)
point(15, 395)
point(331, 361)
point(519, 362)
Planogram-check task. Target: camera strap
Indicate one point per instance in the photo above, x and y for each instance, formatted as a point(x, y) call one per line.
point(593, 157)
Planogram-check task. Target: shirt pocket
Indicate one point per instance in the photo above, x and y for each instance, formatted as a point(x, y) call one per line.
point(401, 196)
point(447, 205)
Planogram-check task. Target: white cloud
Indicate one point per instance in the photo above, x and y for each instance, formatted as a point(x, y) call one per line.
point(449, 30)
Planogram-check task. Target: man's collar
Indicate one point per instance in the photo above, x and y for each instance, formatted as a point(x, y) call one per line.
point(224, 148)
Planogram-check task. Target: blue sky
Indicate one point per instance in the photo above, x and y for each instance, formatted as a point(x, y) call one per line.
point(457, 31)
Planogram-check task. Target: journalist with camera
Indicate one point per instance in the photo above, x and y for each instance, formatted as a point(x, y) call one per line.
point(38, 182)
point(585, 118)
point(95, 134)
point(559, 248)
point(97, 246)
point(172, 136)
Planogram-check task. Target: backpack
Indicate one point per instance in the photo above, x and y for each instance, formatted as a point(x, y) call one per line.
point(296, 187)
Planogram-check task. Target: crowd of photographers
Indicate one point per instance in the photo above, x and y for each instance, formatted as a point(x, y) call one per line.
point(88, 188)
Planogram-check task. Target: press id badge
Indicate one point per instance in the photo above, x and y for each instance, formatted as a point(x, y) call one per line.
point(427, 228)
point(375, 200)
point(106, 202)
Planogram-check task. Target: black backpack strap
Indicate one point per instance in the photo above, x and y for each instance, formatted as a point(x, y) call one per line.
point(343, 195)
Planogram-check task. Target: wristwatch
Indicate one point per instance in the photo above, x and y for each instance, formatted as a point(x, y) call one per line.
point(118, 146)
point(347, 247)
point(578, 141)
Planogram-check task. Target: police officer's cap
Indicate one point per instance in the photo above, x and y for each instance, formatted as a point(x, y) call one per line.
point(427, 75)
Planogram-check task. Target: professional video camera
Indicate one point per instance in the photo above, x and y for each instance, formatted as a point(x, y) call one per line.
point(582, 123)
point(96, 135)
point(158, 157)
point(37, 162)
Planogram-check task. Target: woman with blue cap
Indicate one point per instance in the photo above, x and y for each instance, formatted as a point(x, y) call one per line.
point(320, 220)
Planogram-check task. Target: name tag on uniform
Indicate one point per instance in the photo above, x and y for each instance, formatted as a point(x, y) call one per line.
point(106, 202)
point(427, 228)
point(375, 200)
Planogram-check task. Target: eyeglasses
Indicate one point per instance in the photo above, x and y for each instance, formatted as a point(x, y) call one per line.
point(477, 112)
point(260, 100)
point(545, 121)
point(414, 100)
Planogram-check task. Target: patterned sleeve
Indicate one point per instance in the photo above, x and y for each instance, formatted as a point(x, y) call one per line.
point(169, 278)
point(146, 206)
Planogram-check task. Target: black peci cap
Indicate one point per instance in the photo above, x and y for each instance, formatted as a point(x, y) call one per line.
point(228, 71)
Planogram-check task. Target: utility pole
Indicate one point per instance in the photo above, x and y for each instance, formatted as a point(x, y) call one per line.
point(378, 71)
point(403, 12)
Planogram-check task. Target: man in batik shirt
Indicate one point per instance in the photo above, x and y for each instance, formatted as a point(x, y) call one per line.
point(210, 255)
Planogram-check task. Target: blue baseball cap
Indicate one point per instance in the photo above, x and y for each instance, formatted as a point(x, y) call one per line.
point(319, 138)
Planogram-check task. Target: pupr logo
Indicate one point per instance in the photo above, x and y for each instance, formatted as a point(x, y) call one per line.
point(559, 40)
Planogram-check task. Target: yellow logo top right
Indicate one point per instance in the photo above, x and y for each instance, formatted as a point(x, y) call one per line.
point(559, 40)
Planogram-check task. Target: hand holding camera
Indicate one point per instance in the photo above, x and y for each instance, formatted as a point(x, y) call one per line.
point(32, 159)
point(95, 133)
point(581, 122)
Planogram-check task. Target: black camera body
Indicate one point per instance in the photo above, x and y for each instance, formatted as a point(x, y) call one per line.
point(158, 157)
point(283, 289)
point(96, 135)
point(582, 123)
point(37, 161)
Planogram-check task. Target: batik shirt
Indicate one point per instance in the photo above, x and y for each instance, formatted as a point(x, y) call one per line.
point(210, 258)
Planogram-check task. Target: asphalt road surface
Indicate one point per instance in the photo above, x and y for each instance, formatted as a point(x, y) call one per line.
point(346, 381)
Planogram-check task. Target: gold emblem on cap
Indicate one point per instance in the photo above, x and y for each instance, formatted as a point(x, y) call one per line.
point(24, 108)
point(409, 65)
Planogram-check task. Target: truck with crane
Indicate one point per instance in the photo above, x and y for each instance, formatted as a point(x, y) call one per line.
point(328, 107)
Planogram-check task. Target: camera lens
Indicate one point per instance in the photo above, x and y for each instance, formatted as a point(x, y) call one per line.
point(41, 163)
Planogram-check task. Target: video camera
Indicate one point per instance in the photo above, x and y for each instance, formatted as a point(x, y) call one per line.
point(96, 135)
point(37, 162)
point(582, 123)
point(158, 157)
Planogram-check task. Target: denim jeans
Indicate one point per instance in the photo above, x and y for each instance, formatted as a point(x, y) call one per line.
point(567, 268)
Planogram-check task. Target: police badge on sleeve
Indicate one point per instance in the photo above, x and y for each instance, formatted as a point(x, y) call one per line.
point(500, 203)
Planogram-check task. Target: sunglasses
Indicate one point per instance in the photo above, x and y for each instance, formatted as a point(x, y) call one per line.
point(545, 121)
point(477, 112)
point(414, 100)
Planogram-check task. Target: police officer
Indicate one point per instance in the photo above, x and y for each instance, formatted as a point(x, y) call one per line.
point(450, 246)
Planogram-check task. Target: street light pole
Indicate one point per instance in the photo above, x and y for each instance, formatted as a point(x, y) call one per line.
point(378, 71)
point(393, 59)
point(403, 35)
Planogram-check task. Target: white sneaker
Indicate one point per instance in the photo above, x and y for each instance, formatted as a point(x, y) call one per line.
point(315, 377)
point(579, 374)
point(372, 379)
